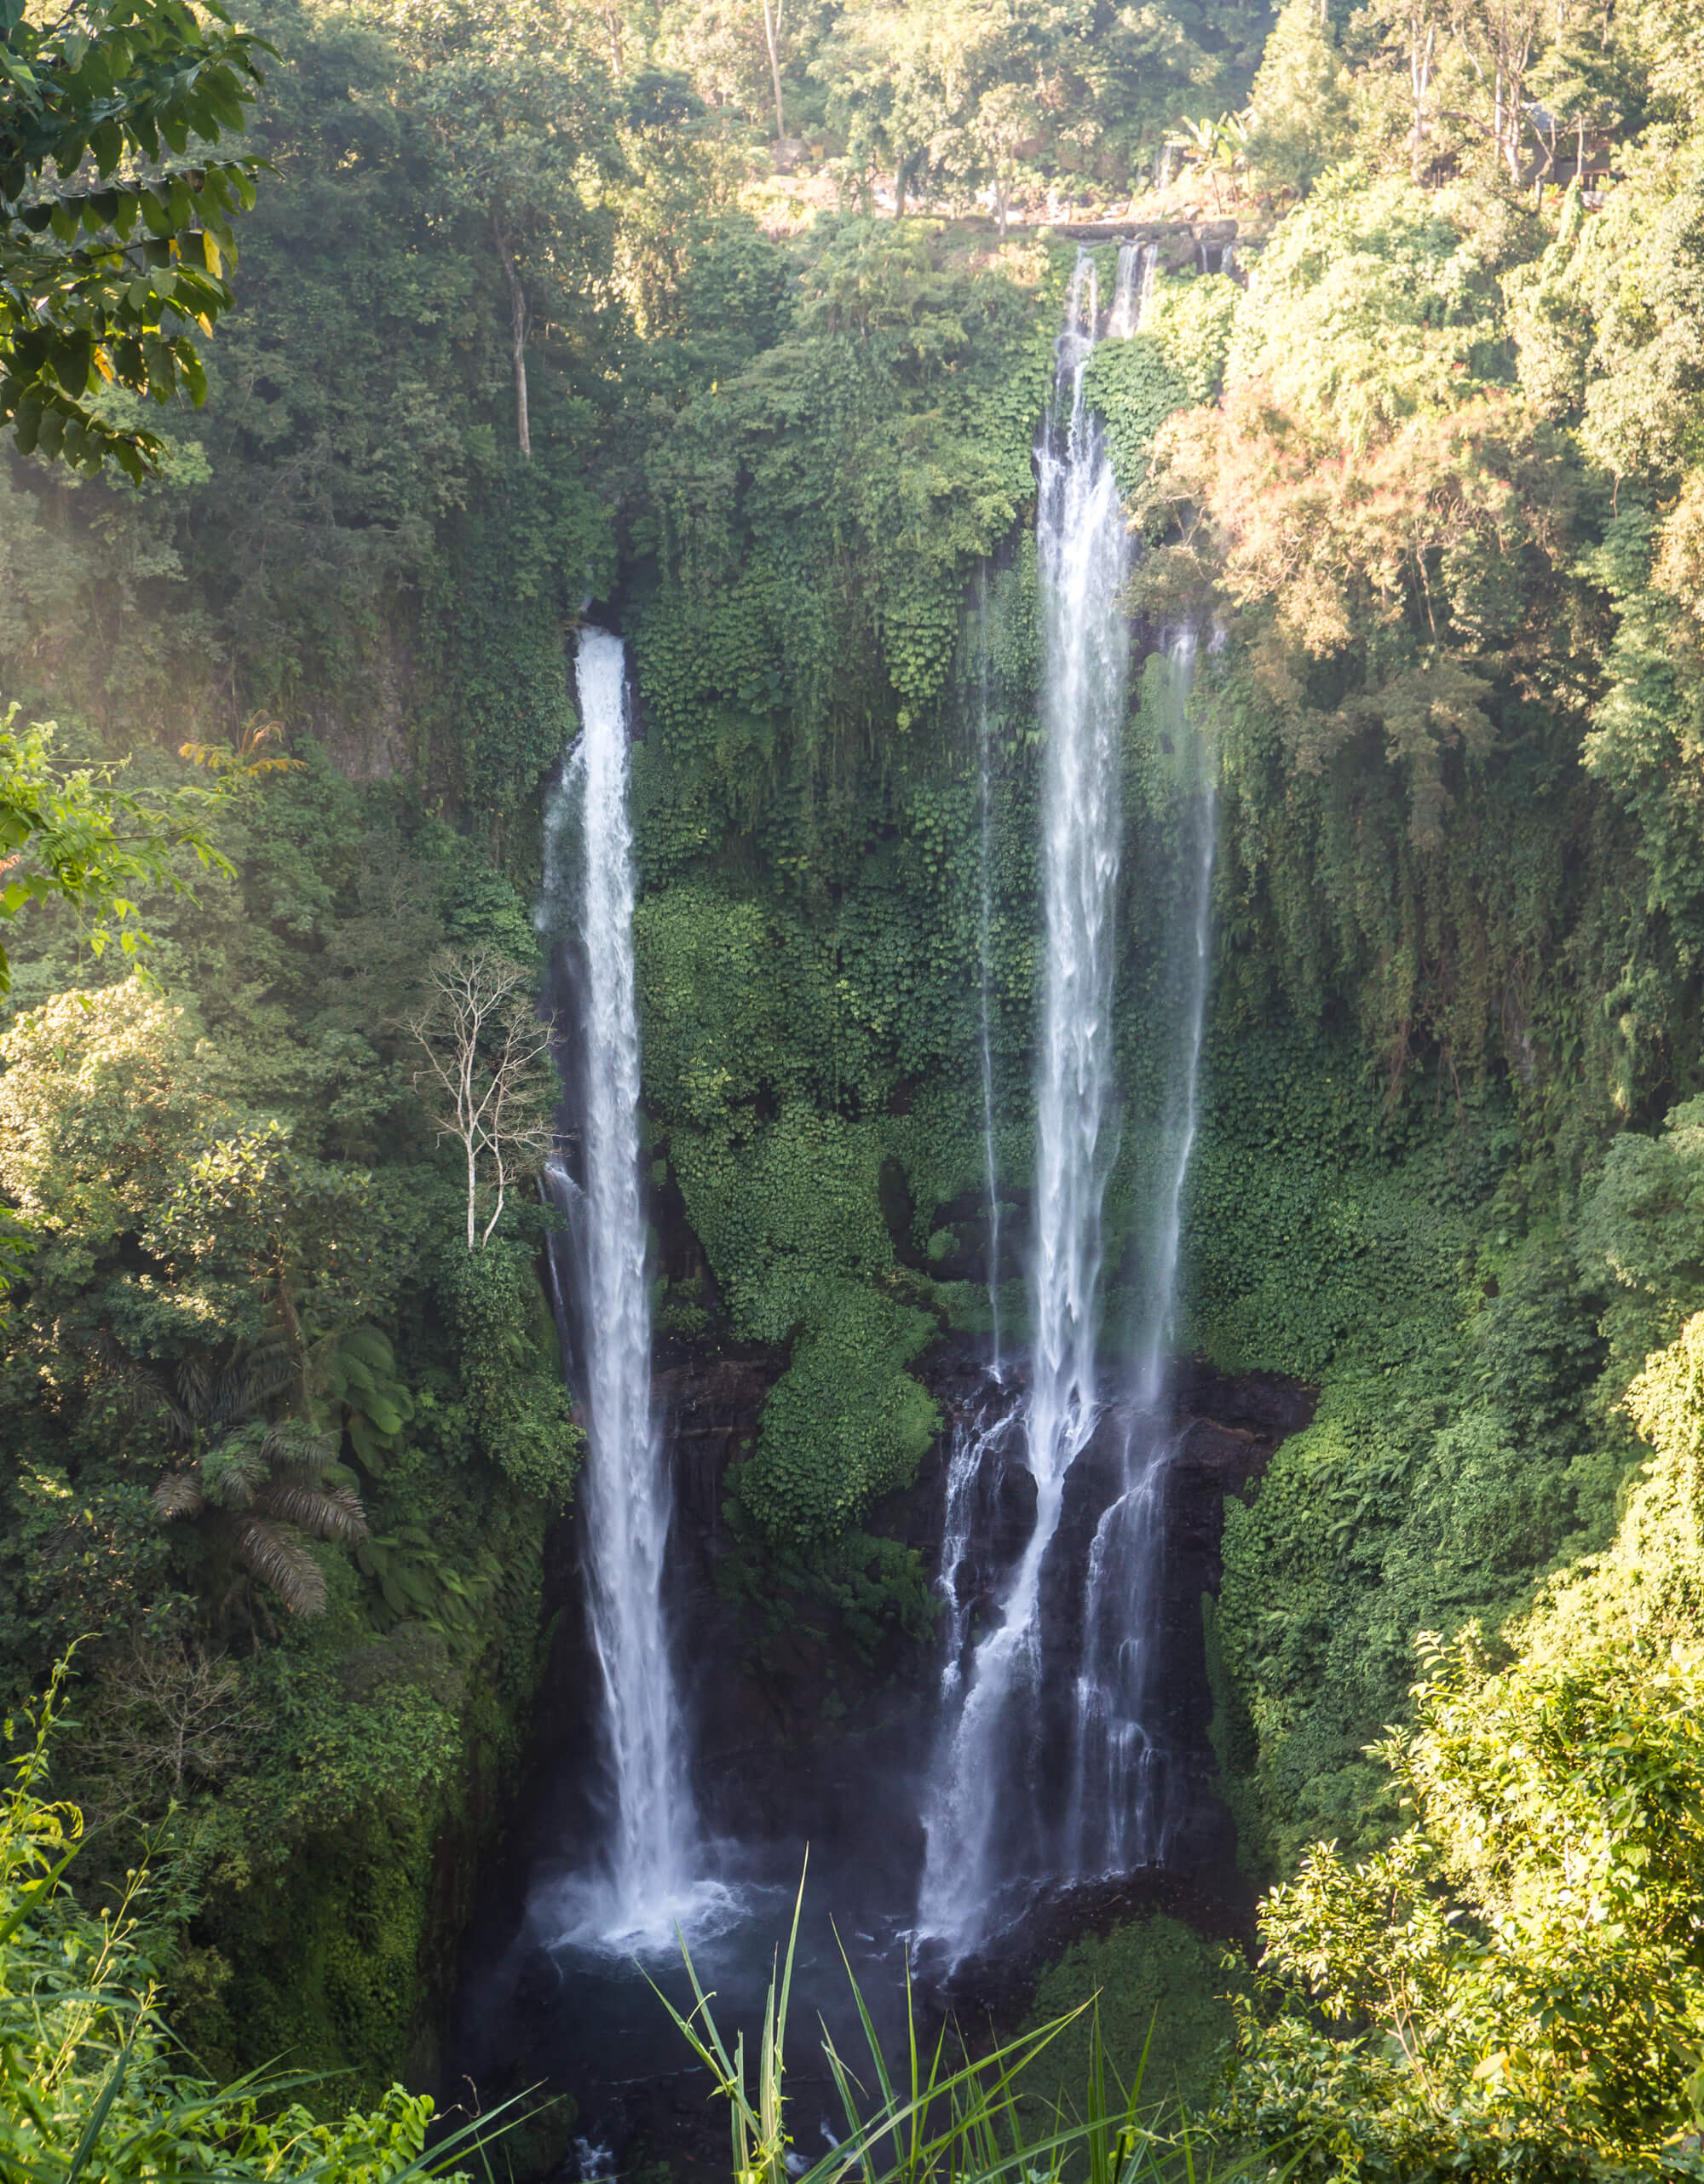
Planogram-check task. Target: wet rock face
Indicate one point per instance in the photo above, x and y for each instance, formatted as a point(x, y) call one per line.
point(795, 1732)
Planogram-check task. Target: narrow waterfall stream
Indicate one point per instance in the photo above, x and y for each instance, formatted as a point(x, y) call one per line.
point(983, 1827)
point(645, 1883)
point(985, 919)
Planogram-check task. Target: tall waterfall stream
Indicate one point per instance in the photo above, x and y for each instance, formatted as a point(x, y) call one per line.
point(979, 1828)
point(646, 1884)
point(993, 1830)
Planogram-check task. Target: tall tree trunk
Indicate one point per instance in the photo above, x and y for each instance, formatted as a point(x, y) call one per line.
point(1420, 80)
point(772, 33)
point(518, 319)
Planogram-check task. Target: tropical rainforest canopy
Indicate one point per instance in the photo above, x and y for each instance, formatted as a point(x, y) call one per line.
point(350, 355)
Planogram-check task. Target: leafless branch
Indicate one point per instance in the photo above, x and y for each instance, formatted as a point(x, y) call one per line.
point(483, 1044)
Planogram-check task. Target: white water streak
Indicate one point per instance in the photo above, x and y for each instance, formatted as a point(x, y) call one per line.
point(979, 1444)
point(1180, 666)
point(985, 927)
point(625, 1489)
point(1119, 1812)
point(1084, 552)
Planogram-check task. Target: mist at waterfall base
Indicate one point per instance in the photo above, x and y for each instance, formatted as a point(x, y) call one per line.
point(1057, 1746)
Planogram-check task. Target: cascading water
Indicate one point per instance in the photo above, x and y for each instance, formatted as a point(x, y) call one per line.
point(983, 1829)
point(625, 1493)
point(985, 937)
point(980, 1446)
point(1121, 1812)
point(1131, 290)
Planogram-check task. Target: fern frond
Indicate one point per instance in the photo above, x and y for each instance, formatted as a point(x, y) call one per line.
point(370, 1349)
point(281, 1561)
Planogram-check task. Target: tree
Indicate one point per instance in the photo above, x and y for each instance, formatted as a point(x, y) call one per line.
point(1300, 105)
point(1499, 38)
point(486, 1069)
point(519, 114)
point(98, 1094)
point(1517, 1985)
point(96, 2085)
point(170, 1716)
point(112, 253)
point(77, 837)
point(906, 85)
point(270, 1483)
point(1007, 120)
point(771, 38)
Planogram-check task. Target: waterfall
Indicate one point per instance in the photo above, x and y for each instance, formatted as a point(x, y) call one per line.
point(625, 1489)
point(979, 1448)
point(1119, 1812)
point(982, 1829)
point(984, 931)
point(1132, 288)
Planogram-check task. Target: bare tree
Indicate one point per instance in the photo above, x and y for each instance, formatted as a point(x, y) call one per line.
point(486, 1047)
point(1498, 37)
point(172, 1716)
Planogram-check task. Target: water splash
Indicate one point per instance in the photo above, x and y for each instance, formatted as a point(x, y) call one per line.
point(645, 1883)
point(980, 1835)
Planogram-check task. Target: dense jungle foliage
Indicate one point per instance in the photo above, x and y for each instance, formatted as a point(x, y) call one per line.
point(732, 331)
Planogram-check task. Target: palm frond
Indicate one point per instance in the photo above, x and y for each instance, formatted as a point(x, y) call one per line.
point(298, 1445)
point(328, 1513)
point(191, 1390)
point(269, 1369)
point(179, 1495)
point(278, 1557)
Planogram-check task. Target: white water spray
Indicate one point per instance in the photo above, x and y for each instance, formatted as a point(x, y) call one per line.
point(979, 1447)
point(974, 1828)
point(625, 1491)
